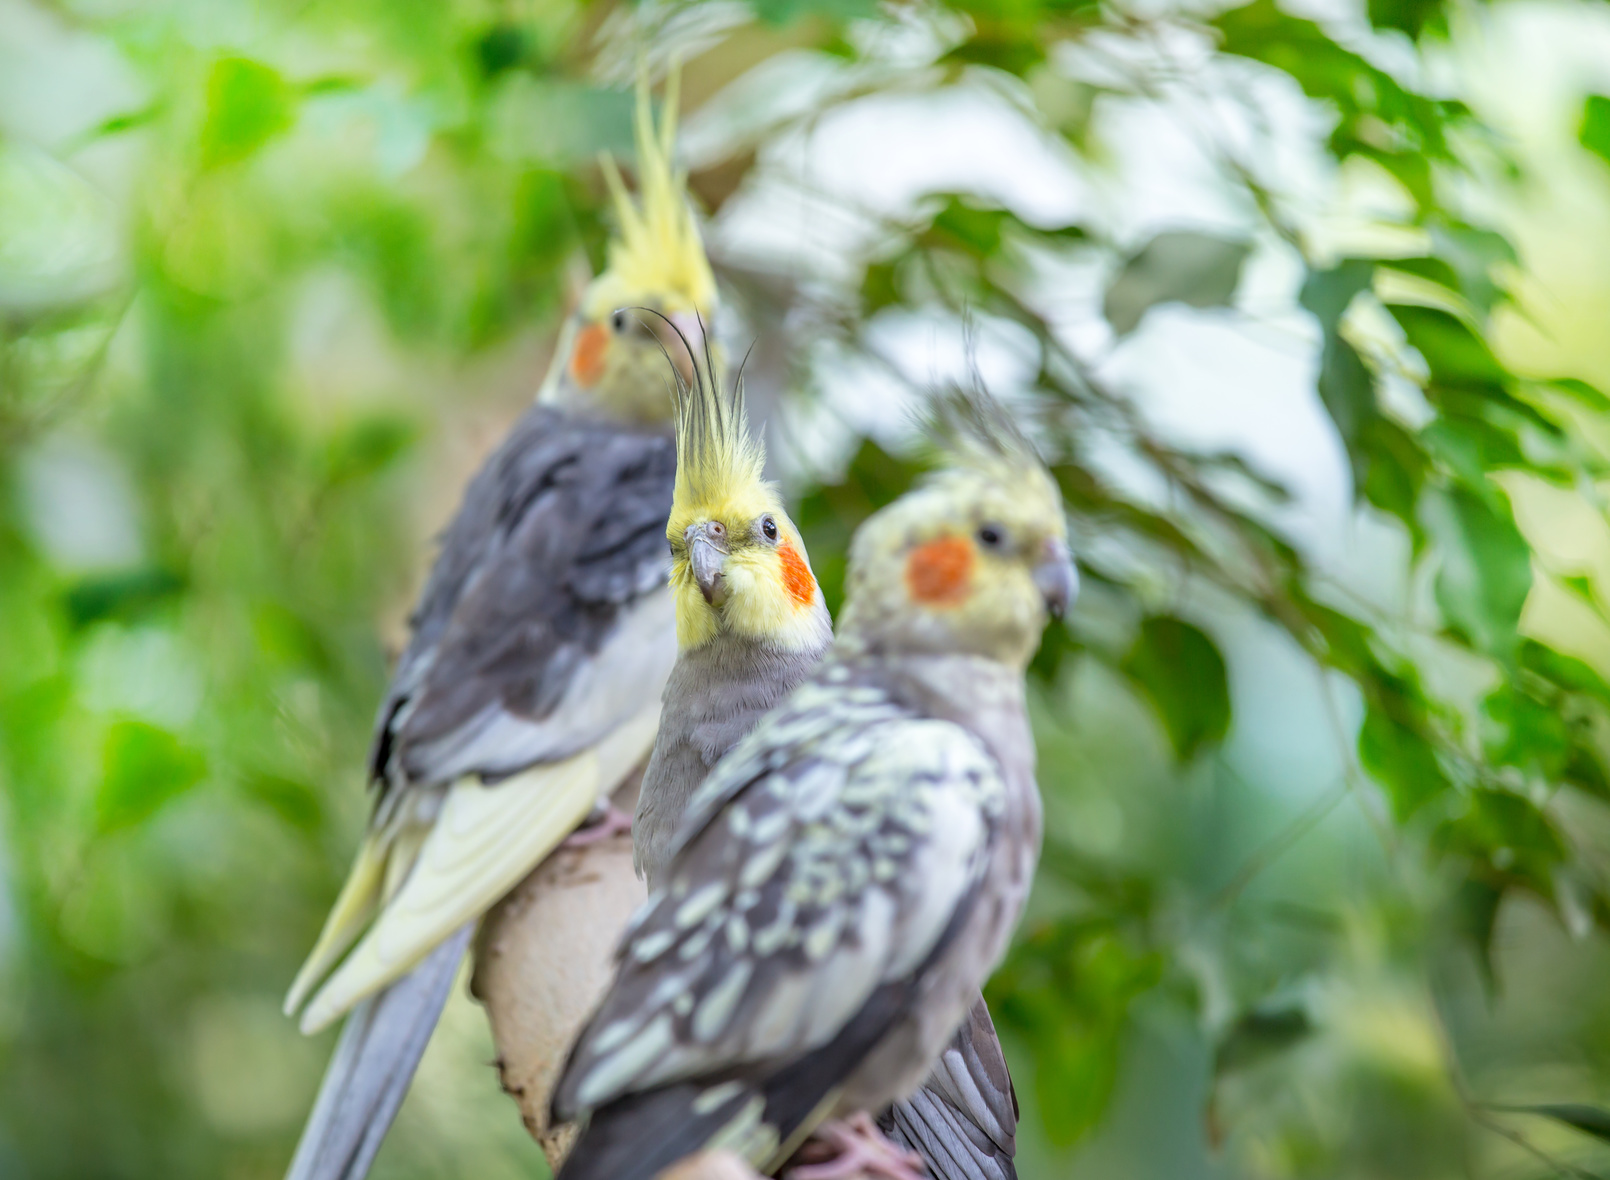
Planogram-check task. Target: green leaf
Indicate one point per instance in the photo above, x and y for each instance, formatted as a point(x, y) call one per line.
point(1475, 917)
point(1594, 130)
point(1401, 761)
point(1066, 988)
point(502, 47)
point(1566, 671)
point(1346, 386)
point(143, 767)
point(1521, 731)
point(1591, 1120)
point(1327, 294)
point(1395, 470)
point(1181, 671)
point(367, 446)
point(1413, 17)
point(1260, 1034)
point(1473, 254)
point(247, 105)
point(1178, 266)
point(780, 13)
point(125, 594)
point(1586, 395)
point(1508, 833)
point(1486, 570)
point(1454, 353)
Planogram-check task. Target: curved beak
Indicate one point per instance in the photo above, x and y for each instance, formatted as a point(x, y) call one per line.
point(707, 554)
point(1055, 577)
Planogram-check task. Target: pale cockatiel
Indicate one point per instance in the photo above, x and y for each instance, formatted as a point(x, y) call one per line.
point(531, 684)
point(847, 877)
point(750, 620)
point(751, 625)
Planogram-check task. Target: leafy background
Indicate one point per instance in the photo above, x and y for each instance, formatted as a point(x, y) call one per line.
point(1306, 305)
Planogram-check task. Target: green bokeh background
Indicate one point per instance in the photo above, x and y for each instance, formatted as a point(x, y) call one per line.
point(274, 277)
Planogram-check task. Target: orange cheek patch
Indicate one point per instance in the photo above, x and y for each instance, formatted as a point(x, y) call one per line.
point(797, 578)
point(940, 573)
point(587, 359)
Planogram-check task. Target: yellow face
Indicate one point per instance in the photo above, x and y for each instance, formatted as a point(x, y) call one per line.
point(967, 564)
point(622, 360)
point(738, 567)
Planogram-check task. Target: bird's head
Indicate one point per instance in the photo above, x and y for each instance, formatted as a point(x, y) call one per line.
point(970, 561)
point(612, 353)
point(738, 566)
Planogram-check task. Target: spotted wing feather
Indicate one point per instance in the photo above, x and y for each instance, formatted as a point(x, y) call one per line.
point(822, 864)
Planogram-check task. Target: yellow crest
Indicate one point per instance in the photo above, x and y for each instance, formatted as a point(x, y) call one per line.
point(719, 463)
point(657, 256)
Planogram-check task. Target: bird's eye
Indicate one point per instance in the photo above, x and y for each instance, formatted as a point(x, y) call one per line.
point(991, 536)
point(768, 528)
point(618, 321)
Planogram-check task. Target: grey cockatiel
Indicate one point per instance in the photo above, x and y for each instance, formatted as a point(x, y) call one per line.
point(751, 626)
point(530, 688)
point(843, 882)
point(750, 620)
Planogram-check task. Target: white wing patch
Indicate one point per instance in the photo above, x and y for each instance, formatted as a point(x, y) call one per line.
point(483, 842)
point(627, 673)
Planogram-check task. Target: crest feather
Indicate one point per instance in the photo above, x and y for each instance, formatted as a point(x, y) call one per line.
point(716, 455)
point(974, 431)
point(657, 255)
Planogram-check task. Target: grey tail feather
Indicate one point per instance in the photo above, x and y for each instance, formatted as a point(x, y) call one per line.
point(948, 1141)
point(374, 1061)
point(963, 1122)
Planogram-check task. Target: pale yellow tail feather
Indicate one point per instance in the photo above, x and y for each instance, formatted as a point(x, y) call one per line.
point(486, 839)
point(350, 914)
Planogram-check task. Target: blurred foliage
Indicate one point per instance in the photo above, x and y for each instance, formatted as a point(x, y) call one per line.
point(278, 253)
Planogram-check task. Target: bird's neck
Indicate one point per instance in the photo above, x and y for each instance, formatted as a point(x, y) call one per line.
point(983, 696)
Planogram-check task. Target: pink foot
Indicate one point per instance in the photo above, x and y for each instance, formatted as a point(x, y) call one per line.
point(614, 822)
point(861, 1150)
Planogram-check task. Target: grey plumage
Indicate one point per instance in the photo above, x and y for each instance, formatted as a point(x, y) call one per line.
point(714, 697)
point(560, 534)
point(545, 624)
point(846, 877)
point(364, 1084)
point(840, 886)
point(963, 1122)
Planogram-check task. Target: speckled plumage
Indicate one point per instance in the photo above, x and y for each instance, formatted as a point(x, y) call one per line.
point(714, 697)
point(750, 619)
point(847, 876)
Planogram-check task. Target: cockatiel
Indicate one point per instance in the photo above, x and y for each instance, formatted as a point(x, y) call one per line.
point(846, 878)
point(530, 687)
point(750, 619)
point(751, 625)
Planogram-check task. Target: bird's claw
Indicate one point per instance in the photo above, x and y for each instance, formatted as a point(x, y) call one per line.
point(860, 1150)
point(614, 822)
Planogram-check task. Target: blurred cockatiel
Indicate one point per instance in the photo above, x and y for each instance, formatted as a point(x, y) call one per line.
point(530, 687)
point(751, 625)
point(845, 879)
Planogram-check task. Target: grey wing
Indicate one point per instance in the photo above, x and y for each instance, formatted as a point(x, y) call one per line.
point(835, 871)
point(557, 554)
point(963, 1122)
point(375, 1060)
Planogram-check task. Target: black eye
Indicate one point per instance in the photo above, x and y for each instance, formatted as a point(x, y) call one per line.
point(618, 321)
point(768, 528)
point(991, 536)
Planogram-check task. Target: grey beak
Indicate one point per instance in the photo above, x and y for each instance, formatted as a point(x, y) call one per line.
point(1055, 577)
point(707, 554)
